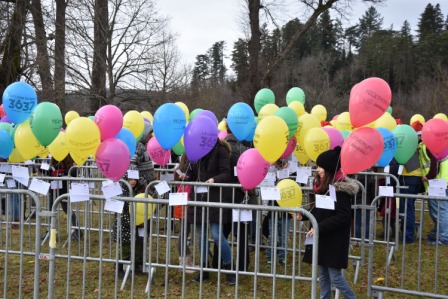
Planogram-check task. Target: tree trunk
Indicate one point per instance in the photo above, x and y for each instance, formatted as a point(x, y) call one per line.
point(59, 55)
point(42, 59)
point(100, 28)
point(10, 67)
point(254, 48)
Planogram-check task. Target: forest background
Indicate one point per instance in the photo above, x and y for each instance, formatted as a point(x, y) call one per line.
point(83, 54)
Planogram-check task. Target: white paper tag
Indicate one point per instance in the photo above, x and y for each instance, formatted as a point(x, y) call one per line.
point(11, 183)
point(292, 167)
point(45, 166)
point(179, 172)
point(162, 187)
point(56, 185)
point(269, 180)
point(29, 162)
point(6, 168)
point(133, 174)
point(303, 173)
point(79, 192)
point(39, 186)
point(324, 202)
point(283, 174)
point(270, 193)
point(387, 191)
point(235, 172)
point(387, 169)
point(387, 180)
point(141, 231)
point(112, 190)
point(2, 177)
point(21, 174)
point(435, 191)
point(241, 215)
point(309, 240)
point(91, 185)
point(200, 189)
point(437, 183)
point(400, 169)
point(106, 182)
point(178, 199)
point(114, 205)
point(332, 192)
point(167, 177)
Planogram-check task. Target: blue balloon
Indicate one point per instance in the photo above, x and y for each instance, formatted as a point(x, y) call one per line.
point(240, 119)
point(6, 144)
point(128, 138)
point(390, 147)
point(251, 135)
point(19, 100)
point(169, 125)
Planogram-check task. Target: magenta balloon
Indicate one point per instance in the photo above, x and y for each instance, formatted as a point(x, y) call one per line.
point(200, 136)
point(113, 158)
point(157, 153)
point(251, 168)
point(443, 154)
point(336, 138)
point(289, 148)
point(109, 120)
point(435, 135)
point(209, 114)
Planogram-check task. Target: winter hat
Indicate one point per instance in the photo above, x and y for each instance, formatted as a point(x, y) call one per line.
point(417, 126)
point(329, 160)
point(147, 129)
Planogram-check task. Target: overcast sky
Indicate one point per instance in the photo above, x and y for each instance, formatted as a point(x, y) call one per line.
point(201, 23)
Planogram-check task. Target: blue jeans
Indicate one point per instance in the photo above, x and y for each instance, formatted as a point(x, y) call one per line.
point(333, 276)
point(407, 205)
point(438, 210)
point(278, 231)
point(14, 211)
point(218, 237)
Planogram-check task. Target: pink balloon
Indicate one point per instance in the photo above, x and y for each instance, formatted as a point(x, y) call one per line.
point(369, 99)
point(2, 111)
point(335, 117)
point(157, 153)
point(361, 150)
point(336, 138)
point(442, 154)
point(251, 168)
point(109, 120)
point(222, 135)
point(435, 135)
point(113, 158)
point(289, 148)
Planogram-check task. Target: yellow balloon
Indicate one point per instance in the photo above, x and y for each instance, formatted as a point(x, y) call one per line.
point(441, 116)
point(416, 117)
point(58, 148)
point(25, 142)
point(297, 107)
point(306, 122)
point(267, 110)
point(386, 121)
point(69, 116)
point(290, 194)
point(300, 154)
point(44, 151)
point(140, 210)
point(271, 137)
point(82, 138)
point(333, 123)
point(15, 157)
point(343, 122)
point(320, 112)
point(134, 121)
point(184, 109)
point(222, 126)
point(317, 141)
point(148, 116)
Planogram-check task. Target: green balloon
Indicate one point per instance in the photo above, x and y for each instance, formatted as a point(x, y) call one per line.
point(290, 118)
point(295, 94)
point(407, 142)
point(6, 127)
point(46, 122)
point(389, 109)
point(345, 133)
point(264, 96)
point(91, 117)
point(193, 113)
point(178, 148)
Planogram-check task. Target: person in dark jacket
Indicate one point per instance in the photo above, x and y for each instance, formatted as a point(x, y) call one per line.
point(212, 168)
point(333, 222)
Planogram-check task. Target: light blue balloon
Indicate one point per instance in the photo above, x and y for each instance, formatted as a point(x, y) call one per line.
point(19, 100)
point(240, 119)
point(6, 144)
point(128, 138)
point(169, 125)
point(390, 147)
point(251, 135)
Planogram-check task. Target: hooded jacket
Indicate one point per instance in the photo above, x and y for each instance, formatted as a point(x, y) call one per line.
point(334, 227)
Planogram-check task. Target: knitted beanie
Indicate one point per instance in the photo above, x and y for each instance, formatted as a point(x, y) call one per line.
point(330, 160)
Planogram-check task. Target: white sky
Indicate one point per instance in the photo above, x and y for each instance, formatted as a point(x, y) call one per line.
point(201, 23)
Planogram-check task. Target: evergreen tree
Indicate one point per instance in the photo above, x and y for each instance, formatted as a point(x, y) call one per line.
point(216, 59)
point(370, 22)
point(430, 22)
point(240, 61)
